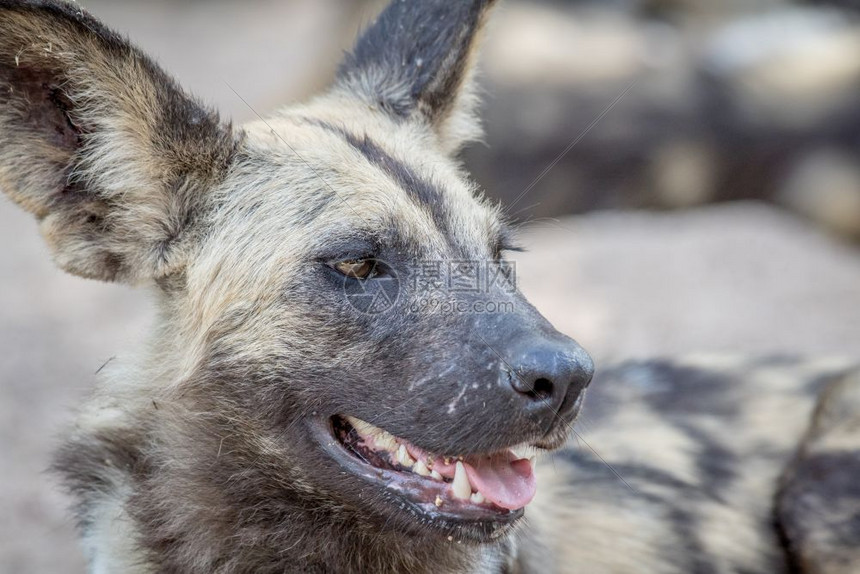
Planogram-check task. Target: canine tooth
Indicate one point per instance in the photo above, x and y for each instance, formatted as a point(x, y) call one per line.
point(477, 498)
point(438, 501)
point(461, 486)
point(436, 475)
point(421, 469)
point(404, 458)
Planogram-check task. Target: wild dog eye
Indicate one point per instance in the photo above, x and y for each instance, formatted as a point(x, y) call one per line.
point(357, 269)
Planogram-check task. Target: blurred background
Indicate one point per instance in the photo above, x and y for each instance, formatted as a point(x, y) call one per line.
point(687, 173)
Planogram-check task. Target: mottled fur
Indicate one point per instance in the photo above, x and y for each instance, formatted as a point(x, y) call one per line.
point(194, 456)
point(702, 444)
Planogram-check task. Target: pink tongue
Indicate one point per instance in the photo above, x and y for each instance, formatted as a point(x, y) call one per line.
point(503, 480)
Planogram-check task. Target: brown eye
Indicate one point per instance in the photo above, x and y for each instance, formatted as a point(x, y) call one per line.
point(358, 269)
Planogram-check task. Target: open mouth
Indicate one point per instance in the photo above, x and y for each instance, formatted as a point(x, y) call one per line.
point(451, 490)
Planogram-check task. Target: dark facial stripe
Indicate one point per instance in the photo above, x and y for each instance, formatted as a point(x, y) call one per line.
point(419, 189)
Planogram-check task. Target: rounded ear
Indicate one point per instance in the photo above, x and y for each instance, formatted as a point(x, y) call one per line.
point(417, 61)
point(99, 144)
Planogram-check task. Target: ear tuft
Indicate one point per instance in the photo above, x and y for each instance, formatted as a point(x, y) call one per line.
point(417, 61)
point(100, 144)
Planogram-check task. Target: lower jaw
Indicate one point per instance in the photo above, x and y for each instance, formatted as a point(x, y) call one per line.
point(414, 498)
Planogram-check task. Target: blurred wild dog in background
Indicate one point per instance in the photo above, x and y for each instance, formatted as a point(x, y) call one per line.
point(300, 407)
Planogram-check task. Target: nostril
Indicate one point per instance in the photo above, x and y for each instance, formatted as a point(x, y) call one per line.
point(545, 374)
point(541, 390)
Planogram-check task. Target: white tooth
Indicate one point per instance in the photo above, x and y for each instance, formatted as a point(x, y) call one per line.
point(404, 458)
point(461, 486)
point(386, 441)
point(436, 475)
point(438, 501)
point(477, 498)
point(421, 468)
point(362, 427)
point(533, 462)
point(381, 438)
point(520, 451)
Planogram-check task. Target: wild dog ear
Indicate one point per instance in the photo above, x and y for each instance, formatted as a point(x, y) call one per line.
point(100, 144)
point(417, 60)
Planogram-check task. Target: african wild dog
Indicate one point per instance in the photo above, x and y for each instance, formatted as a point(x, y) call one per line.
point(246, 436)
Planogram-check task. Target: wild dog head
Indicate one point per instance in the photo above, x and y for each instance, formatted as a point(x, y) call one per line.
point(339, 346)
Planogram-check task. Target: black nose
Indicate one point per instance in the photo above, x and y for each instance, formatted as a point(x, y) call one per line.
point(549, 375)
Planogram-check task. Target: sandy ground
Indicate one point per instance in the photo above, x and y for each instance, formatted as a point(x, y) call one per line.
point(733, 278)
point(740, 278)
